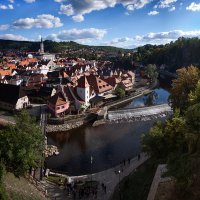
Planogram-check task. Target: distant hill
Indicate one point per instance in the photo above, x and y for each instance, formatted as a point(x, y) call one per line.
point(180, 53)
point(52, 47)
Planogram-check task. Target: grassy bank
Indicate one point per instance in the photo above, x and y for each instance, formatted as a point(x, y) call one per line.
point(20, 189)
point(136, 186)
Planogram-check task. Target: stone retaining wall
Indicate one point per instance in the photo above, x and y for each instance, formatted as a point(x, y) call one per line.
point(68, 125)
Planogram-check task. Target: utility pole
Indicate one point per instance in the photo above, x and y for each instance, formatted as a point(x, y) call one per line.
point(119, 172)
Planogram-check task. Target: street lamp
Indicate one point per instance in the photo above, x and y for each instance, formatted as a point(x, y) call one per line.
point(119, 172)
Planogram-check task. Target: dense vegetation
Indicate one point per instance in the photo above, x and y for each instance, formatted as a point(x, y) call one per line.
point(53, 47)
point(177, 141)
point(181, 53)
point(21, 147)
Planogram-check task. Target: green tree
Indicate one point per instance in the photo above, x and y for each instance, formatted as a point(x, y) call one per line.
point(120, 92)
point(151, 72)
point(21, 145)
point(194, 96)
point(182, 86)
point(165, 139)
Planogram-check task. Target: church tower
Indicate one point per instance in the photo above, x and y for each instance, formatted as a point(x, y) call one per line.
point(41, 46)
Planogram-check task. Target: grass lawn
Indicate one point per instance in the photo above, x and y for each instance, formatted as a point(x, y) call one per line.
point(136, 186)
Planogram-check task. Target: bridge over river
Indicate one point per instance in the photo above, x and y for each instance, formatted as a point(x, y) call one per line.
point(143, 113)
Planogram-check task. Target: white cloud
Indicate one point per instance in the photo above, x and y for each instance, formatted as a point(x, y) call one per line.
point(29, 1)
point(78, 18)
point(173, 8)
point(60, 1)
point(13, 37)
point(67, 10)
point(82, 7)
point(154, 12)
point(4, 27)
point(78, 35)
point(152, 38)
point(166, 3)
point(41, 21)
point(6, 7)
point(127, 13)
point(193, 7)
point(130, 7)
point(11, 1)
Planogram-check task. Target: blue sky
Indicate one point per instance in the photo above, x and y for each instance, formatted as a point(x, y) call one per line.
point(122, 23)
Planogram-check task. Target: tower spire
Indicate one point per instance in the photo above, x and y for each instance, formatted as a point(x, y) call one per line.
point(41, 46)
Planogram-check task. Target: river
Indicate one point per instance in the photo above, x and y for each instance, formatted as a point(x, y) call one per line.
point(108, 144)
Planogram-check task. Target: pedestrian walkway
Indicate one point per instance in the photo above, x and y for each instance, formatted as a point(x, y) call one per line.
point(110, 178)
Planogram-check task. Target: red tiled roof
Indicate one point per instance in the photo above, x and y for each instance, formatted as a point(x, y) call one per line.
point(57, 99)
point(98, 84)
point(82, 82)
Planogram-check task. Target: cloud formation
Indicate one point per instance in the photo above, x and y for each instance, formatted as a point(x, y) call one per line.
point(4, 27)
point(41, 21)
point(152, 38)
point(6, 7)
point(165, 3)
point(78, 18)
point(173, 8)
point(80, 8)
point(154, 12)
point(193, 7)
point(78, 34)
point(13, 37)
point(11, 1)
point(29, 1)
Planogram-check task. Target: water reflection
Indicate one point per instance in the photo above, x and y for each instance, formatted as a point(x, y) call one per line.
point(156, 97)
point(108, 144)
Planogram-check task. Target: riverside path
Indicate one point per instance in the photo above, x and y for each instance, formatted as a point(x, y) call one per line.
point(110, 178)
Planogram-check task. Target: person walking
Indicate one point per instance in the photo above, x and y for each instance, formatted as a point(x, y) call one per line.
point(138, 156)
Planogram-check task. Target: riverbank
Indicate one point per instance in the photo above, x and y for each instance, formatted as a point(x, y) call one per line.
point(102, 113)
point(139, 92)
point(67, 125)
point(109, 177)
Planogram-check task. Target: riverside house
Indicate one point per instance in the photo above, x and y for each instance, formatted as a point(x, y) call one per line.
point(58, 105)
point(12, 97)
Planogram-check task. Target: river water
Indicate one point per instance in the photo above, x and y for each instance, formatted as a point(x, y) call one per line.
point(108, 144)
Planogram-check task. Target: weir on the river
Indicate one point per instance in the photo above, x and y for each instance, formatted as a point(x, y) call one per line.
point(109, 143)
point(139, 113)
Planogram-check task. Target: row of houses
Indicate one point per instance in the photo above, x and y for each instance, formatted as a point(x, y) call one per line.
point(65, 84)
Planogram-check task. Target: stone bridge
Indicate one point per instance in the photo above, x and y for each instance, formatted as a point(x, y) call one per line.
point(140, 113)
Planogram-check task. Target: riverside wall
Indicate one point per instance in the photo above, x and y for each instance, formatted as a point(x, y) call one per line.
point(67, 125)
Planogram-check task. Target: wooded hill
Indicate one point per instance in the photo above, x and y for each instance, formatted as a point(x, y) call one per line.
point(181, 53)
point(52, 46)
